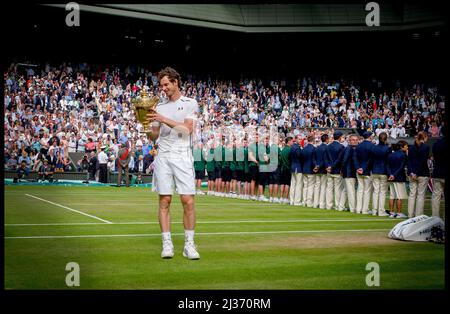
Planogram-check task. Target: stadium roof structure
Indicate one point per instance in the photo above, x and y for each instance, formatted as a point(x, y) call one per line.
point(270, 18)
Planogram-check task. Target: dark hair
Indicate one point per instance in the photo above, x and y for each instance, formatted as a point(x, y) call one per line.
point(337, 136)
point(289, 138)
point(311, 138)
point(401, 144)
point(420, 137)
point(324, 138)
point(382, 137)
point(171, 74)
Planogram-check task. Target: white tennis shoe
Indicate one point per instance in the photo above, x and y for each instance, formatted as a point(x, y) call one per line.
point(190, 251)
point(167, 251)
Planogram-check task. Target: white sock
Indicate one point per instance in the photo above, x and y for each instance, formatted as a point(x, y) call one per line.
point(166, 236)
point(189, 236)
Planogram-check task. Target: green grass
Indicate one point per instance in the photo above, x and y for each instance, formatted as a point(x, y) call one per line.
point(278, 247)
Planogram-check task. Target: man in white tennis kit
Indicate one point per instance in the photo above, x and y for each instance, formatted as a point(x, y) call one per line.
point(173, 123)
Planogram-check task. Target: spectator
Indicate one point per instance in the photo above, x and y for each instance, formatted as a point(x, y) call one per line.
point(90, 145)
point(103, 165)
point(45, 172)
point(401, 131)
point(132, 163)
point(123, 161)
point(72, 143)
point(112, 164)
point(434, 130)
point(23, 171)
point(25, 158)
point(140, 165)
point(67, 163)
point(93, 166)
point(83, 164)
point(59, 163)
point(12, 162)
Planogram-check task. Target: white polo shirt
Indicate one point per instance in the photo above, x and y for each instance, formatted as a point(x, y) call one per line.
point(102, 158)
point(176, 139)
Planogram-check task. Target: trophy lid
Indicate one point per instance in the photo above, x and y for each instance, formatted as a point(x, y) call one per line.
point(144, 100)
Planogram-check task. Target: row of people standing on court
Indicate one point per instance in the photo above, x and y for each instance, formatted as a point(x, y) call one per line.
point(329, 175)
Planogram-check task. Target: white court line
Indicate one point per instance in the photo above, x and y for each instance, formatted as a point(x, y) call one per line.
point(199, 233)
point(199, 222)
point(71, 209)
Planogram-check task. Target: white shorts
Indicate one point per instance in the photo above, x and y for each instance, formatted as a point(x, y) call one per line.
point(174, 171)
point(397, 190)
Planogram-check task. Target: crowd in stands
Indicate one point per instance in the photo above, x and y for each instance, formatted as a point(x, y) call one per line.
point(80, 108)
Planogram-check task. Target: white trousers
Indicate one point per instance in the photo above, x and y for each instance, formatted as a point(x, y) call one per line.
point(363, 193)
point(296, 188)
point(320, 191)
point(309, 182)
point(305, 190)
point(350, 189)
point(438, 189)
point(379, 192)
point(416, 198)
point(335, 191)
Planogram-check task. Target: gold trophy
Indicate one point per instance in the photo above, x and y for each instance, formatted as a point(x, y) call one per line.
point(142, 106)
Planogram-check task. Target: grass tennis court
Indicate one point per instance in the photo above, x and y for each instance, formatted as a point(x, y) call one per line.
point(114, 236)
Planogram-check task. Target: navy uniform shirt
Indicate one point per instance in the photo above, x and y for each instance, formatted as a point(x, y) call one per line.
point(379, 156)
point(321, 157)
point(417, 160)
point(296, 165)
point(439, 156)
point(334, 154)
point(308, 159)
point(396, 166)
point(361, 158)
point(348, 167)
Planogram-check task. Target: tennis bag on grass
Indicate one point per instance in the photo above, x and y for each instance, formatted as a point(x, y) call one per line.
point(418, 229)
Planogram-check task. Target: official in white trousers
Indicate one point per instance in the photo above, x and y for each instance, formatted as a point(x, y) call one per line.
point(335, 187)
point(416, 200)
point(380, 186)
point(363, 193)
point(320, 190)
point(418, 173)
point(349, 172)
point(309, 183)
point(350, 184)
point(363, 165)
point(308, 166)
point(439, 173)
point(296, 188)
point(320, 186)
point(380, 155)
point(335, 192)
point(304, 190)
point(438, 189)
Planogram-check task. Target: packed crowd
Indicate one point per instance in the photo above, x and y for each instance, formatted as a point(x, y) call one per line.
point(53, 111)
